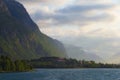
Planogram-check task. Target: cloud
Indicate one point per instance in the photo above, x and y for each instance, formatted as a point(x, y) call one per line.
point(91, 24)
point(41, 1)
point(76, 15)
point(45, 2)
point(92, 2)
point(84, 8)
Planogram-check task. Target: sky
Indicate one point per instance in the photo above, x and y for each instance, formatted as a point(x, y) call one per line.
point(91, 24)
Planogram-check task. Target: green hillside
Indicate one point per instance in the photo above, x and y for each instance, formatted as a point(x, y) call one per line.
point(21, 41)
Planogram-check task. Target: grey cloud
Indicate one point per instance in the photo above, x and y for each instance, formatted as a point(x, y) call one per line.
point(75, 15)
point(31, 1)
point(83, 8)
point(39, 15)
point(48, 2)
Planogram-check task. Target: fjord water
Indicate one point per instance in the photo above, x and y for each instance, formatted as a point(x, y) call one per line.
point(64, 74)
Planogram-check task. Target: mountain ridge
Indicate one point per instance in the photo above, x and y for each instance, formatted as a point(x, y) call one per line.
point(20, 37)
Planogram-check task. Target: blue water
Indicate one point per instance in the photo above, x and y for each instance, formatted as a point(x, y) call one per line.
point(64, 74)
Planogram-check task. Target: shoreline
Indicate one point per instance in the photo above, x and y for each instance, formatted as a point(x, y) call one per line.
point(35, 69)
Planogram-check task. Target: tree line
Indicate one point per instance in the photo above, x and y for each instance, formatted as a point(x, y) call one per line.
point(56, 62)
point(8, 65)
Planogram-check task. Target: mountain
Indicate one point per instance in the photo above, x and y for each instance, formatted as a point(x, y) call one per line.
point(20, 37)
point(81, 54)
